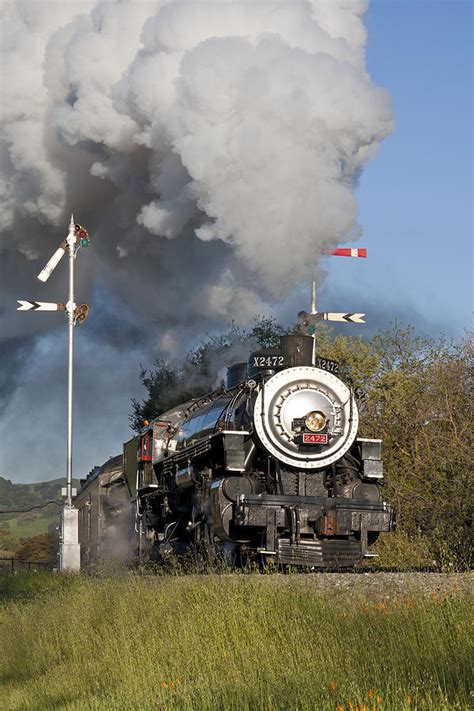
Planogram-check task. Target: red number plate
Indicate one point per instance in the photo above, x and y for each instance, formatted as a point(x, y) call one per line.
point(315, 438)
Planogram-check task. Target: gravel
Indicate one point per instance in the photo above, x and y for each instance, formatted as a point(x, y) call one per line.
point(385, 585)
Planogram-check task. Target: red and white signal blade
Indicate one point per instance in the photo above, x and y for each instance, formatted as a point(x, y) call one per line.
point(347, 252)
point(53, 262)
point(39, 306)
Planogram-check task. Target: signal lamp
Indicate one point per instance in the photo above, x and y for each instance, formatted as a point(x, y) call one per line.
point(83, 235)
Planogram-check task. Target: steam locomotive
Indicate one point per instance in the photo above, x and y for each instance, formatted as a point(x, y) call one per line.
point(267, 468)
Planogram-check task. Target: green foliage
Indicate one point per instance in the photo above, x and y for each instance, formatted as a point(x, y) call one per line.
point(420, 404)
point(40, 549)
point(232, 642)
point(169, 384)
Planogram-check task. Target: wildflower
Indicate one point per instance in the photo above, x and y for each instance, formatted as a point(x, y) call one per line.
point(351, 706)
point(378, 698)
point(371, 693)
point(471, 622)
point(332, 685)
point(340, 708)
point(409, 700)
point(164, 684)
point(408, 604)
point(364, 708)
point(434, 597)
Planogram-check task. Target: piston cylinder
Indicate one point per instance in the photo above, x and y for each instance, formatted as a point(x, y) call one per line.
point(187, 477)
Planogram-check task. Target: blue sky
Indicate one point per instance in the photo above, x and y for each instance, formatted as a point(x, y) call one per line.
point(415, 197)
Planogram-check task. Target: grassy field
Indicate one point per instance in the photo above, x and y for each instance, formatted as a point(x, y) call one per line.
point(229, 642)
point(20, 527)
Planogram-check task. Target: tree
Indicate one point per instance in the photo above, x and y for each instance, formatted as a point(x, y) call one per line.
point(40, 549)
point(420, 404)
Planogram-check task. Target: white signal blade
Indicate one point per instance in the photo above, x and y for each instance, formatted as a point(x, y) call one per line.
point(311, 319)
point(347, 318)
point(39, 306)
point(53, 262)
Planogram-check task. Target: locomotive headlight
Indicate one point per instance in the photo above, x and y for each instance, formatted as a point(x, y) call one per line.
point(315, 421)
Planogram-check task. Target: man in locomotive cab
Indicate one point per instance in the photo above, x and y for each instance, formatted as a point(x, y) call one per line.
point(145, 456)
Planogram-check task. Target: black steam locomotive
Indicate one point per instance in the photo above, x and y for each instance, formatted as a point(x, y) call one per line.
point(269, 468)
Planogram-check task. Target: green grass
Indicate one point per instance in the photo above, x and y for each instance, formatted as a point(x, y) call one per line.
point(228, 642)
point(22, 527)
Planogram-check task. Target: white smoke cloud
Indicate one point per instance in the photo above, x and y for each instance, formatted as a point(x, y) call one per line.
point(211, 147)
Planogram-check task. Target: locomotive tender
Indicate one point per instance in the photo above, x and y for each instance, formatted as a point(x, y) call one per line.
point(268, 468)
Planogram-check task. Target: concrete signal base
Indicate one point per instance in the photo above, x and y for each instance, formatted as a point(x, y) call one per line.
point(69, 547)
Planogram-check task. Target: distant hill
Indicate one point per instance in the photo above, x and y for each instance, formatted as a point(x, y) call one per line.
point(15, 526)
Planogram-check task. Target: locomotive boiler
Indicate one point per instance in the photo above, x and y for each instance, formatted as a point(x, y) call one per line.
point(267, 468)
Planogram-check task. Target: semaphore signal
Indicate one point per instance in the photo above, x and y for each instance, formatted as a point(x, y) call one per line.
point(309, 320)
point(77, 237)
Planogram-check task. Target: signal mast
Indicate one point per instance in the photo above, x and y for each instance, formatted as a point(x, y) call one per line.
point(69, 549)
point(309, 321)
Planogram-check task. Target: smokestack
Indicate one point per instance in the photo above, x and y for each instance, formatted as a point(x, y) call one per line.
point(297, 350)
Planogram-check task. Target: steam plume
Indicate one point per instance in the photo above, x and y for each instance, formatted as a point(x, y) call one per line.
point(211, 148)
